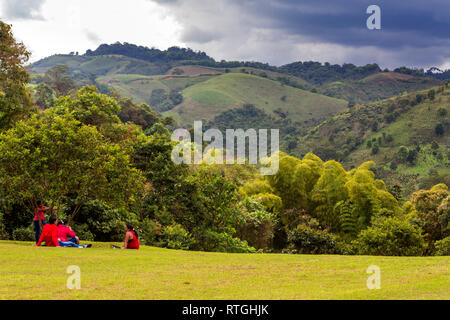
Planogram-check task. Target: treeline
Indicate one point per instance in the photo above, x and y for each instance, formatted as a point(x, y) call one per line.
point(148, 54)
point(432, 72)
point(318, 73)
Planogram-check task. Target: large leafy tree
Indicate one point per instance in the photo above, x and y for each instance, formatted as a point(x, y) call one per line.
point(59, 80)
point(52, 156)
point(15, 101)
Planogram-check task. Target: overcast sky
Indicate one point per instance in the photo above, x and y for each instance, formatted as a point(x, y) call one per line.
point(414, 33)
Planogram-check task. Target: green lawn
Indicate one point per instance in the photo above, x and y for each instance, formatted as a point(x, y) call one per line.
point(27, 272)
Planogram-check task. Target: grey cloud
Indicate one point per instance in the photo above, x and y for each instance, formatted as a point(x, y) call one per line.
point(93, 37)
point(414, 32)
point(22, 9)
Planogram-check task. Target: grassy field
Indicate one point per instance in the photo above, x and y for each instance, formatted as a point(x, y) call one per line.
point(27, 272)
point(210, 98)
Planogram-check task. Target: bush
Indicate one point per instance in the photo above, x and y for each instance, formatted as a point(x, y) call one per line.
point(442, 247)
point(105, 223)
point(24, 234)
point(175, 237)
point(306, 240)
point(3, 233)
point(224, 242)
point(391, 237)
point(256, 224)
point(83, 233)
point(150, 231)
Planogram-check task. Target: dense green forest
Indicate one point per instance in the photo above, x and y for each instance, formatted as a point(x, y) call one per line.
point(104, 160)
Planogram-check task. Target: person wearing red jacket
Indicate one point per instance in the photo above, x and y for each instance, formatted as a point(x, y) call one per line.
point(49, 234)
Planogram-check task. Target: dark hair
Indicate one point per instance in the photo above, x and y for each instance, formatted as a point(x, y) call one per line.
point(62, 222)
point(52, 219)
point(130, 227)
point(39, 202)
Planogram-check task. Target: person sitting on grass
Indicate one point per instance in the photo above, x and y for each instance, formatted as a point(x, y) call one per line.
point(131, 239)
point(67, 237)
point(49, 233)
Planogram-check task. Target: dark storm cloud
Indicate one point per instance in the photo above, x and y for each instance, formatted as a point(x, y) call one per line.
point(21, 9)
point(414, 32)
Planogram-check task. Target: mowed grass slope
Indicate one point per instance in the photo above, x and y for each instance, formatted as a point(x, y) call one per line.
point(210, 98)
point(139, 87)
point(27, 272)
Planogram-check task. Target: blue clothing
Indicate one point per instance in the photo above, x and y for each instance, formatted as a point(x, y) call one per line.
point(70, 244)
point(37, 229)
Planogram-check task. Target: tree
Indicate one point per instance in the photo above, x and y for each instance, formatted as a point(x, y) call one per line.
point(45, 96)
point(432, 212)
point(141, 115)
point(15, 101)
point(59, 81)
point(439, 129)
point(51, 157)
point(90, 107)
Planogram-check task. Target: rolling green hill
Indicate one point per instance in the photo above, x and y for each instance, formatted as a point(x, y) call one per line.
point(377, 86)
point(400, 134)
point(210, 98)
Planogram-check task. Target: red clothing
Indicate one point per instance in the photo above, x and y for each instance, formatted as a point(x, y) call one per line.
point(133, 244)
point(38, 212)
point(49, 236)
point(64, 233)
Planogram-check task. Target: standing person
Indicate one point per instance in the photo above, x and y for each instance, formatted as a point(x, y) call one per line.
point(49, 233)
point(131, 239)
point(39, 217)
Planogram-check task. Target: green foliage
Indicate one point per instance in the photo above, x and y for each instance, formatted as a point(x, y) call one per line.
point(442, 247)
point(82, 232)
point(15, 101)
point(256, 225)
point(105, 223)
point(147, 54)
point(391, 237)
point(89, 107)
point(151, 230)
point(45, 96)
point(141, 115)
point(433, 212)
point(52, 156)
point(58, 79)
point(23, 234)
point(3, 233)
point(223, 242)
point(306, 240)
point(176, 237)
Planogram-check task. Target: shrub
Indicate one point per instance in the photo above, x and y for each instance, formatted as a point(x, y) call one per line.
point(442, 112)
point(175, 237)
point(82, 232)
point(150, 231)
point(224, 242)
point(442, 247)
point(24, 234)
point(391, 237)
point(256, 225)
point(3, 233)
point(310, 241)
point(105, 223)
